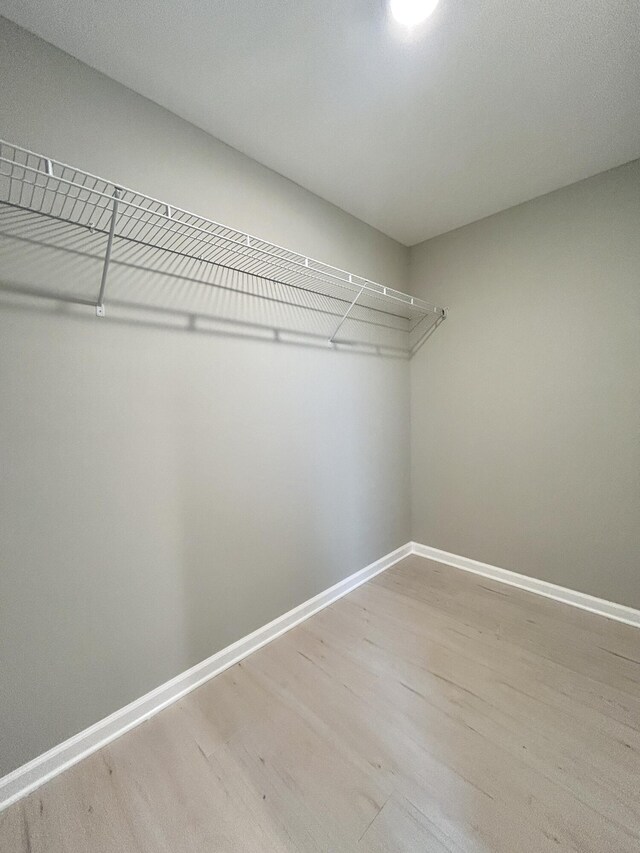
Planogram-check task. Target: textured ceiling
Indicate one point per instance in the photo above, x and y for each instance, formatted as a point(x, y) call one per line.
point(485, 105)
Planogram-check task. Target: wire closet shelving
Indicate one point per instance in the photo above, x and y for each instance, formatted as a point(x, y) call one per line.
point(35, 187)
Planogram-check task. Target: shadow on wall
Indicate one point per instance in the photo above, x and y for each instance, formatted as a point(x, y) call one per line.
point(49, 259)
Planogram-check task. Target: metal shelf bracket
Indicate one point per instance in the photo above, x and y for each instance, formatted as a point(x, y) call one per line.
point(107, 255)
point(345, 315)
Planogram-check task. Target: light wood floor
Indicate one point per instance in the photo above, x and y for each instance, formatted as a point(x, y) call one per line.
point(429, 710)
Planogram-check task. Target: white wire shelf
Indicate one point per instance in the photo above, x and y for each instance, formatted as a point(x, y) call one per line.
point(74, 201)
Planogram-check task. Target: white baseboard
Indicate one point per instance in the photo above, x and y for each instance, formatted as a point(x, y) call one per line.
point(550, 590)
point(30, 776)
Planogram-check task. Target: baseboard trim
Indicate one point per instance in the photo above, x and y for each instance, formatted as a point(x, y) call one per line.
point(30, 776)
point(601, 606)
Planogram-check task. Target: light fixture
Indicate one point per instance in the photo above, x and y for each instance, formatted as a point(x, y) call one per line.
point(412, 12)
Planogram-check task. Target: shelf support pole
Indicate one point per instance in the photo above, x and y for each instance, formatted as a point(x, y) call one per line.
point(440, 318)
point(107, 254)
point(346, 314)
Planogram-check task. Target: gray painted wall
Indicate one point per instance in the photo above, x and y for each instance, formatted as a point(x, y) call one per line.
point(525, 403)
point(165, 492)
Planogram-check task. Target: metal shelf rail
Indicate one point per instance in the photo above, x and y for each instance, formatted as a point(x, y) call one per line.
point(38, 184)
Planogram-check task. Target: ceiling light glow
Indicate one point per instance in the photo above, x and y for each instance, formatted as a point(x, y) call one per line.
point(412, 12)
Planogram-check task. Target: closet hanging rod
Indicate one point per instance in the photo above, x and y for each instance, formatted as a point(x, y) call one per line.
point(41, 184)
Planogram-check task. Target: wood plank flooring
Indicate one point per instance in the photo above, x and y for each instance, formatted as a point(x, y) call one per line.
point(429, 710)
